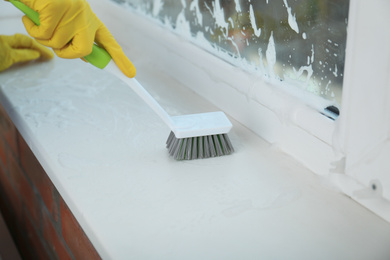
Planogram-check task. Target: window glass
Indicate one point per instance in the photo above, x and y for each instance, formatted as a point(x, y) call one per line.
point(299, 41)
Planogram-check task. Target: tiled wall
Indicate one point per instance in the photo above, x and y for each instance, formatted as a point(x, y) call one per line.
point(41, 223)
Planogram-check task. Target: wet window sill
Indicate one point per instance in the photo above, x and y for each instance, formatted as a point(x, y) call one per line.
point(103, 149)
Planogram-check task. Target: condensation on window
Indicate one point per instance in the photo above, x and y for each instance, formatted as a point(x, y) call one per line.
point(299, 41)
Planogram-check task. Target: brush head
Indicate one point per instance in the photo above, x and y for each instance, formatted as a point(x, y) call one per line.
point(203, 124)
point(199, 147)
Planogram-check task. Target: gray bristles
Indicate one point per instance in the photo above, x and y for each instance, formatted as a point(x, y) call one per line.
point(199, 147)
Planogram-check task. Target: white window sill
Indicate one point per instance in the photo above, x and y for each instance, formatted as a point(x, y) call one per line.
point(278, 114)
point(104, 151)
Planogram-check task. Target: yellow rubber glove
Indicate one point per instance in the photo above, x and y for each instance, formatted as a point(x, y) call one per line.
point(70, 28)
point(20, 48)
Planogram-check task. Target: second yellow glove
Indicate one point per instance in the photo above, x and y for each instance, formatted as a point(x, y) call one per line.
point(20, 48)
point(70, 28)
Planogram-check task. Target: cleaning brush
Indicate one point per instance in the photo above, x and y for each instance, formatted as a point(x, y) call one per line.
point(193, 136)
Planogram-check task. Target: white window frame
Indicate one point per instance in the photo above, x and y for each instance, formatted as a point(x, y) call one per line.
point(352, 152)
point(363, 134)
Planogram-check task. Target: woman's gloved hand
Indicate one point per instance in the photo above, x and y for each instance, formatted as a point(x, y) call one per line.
point(21, 48)
point(70, 28)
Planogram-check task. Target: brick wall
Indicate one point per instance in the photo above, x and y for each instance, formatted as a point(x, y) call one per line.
point(39, 220)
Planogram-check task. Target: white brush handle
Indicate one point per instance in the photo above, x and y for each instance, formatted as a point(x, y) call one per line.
point(141, 92)
point(184, 126)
